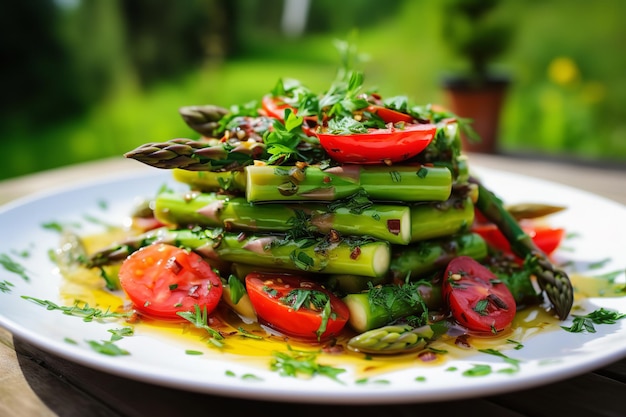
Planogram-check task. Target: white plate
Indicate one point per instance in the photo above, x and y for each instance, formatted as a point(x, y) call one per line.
point(599, 225)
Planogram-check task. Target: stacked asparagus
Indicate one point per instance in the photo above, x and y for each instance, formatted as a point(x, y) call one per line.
point(354, 225)
point(263, 195)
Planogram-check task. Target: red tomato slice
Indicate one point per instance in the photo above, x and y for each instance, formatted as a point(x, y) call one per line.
point(146, 223)
point(390, 115)
point(275, 107)
point(276, 299)
point(162, 279)
point(476, 298)
point(378, 145)
point(548, 239)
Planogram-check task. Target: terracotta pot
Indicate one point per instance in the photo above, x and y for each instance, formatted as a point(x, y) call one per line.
point(482, 104)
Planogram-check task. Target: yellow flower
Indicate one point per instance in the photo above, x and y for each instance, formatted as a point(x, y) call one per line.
point(563, 71)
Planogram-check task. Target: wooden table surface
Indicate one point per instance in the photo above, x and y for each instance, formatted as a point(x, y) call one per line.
point(37, 383)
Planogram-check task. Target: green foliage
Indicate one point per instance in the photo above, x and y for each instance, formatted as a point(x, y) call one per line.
point(567, 96)
point(475, 31)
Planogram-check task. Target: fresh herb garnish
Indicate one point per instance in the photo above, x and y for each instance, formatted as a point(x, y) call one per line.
point(313, 300)
point(481, 307)
point(199, 318)
point(357, 203)
point(55, 226)
point(513, 362)
point(282, 141)
point(79, 310)
point(310, 299)
point(302, 260)
point(478, 370)
point(299, 225)
point(5, 286)
point(249, 377)
point(386, 296)
point(249, 109)
point(518, 345)
point(111, 283)
point(237, 289)
point(297, 363)
point(107, 348)
point(11, 266)
point(581, 324)
point(118, 334)
point(244, 333)
point(345, 126)
point(363, 381)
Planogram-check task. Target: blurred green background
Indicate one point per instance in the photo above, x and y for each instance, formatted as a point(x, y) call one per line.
point(89, 79)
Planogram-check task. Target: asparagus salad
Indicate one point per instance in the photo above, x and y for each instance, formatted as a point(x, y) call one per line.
point(342, 221)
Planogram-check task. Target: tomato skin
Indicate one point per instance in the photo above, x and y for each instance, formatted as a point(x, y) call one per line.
point(548, 239)
point(378, 145)
point(390, 115)
point(274, 107)
point(476, 298)
point(266, 290)
point(162, 280)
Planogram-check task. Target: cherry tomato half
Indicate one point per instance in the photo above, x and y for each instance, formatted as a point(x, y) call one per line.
point(274, 107)
point(548, 239)
point(295, 306)
point(476, 298)
point(378, 145)
point(162, 279)
point(390, 115)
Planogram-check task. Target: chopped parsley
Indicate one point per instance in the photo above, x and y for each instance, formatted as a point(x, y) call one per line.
point(78, 310)
point(313, 300)
point(296, 363)
point(107, 348)
point(5, 286)
point(581, 324)
point(118, 334)
point(11, 266)
point(390, 296)
point(199, 318)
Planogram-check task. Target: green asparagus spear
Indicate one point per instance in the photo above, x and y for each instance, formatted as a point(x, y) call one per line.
point(551, 279)
point(434, 220)
point(209, 181)
point(366, 258)
point(197, 155)
point(385, 222)
point(423, 258)
point(312, 183)
point(383, 304)
point(350, 283)
point(279, 183)
point(459, 168)
point(241, 270)
point(203, 119)
point(386, 304)
point(392, 339)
